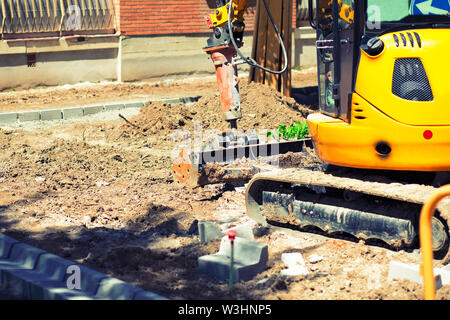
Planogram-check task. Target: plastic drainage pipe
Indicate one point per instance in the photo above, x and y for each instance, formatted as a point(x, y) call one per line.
point(426, 269)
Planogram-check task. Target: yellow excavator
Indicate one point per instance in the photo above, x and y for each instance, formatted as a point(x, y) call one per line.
point(383, 127)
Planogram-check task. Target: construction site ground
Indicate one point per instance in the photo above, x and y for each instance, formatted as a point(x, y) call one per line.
point(98, 190)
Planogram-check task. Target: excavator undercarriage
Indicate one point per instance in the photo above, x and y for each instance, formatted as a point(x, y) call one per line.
point(366, 206)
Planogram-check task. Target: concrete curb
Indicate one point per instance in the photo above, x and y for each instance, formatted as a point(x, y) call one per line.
point(80, 111)
point(30, 273)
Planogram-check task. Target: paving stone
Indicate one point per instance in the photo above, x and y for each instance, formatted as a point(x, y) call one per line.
point(70, 113)
point(88, 110)
point(399, 270)
point(51, 114)
point(250, 258)
point(29, 116)
point(8, 117)
point(209, 231)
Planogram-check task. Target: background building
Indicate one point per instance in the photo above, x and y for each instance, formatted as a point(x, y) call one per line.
point(51, 42)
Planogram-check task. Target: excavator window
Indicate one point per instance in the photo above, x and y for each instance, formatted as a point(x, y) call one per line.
point(326, 48)
point(388, 11)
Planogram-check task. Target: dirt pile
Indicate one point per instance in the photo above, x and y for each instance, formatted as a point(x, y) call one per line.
point(262, 107)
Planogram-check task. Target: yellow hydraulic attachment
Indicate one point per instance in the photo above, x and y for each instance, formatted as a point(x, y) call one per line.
point(220, 17)
point(425, 241)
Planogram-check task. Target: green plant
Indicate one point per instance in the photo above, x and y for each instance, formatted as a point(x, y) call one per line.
point(13, 89)
point(297, 130)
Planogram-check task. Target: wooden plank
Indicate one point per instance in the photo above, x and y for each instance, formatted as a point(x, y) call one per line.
point(285, 78)
point(251, 76)
point(261, 50)
point(266, 48)
point(273, 44)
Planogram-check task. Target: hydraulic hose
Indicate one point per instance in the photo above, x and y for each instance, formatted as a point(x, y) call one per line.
point(250, 60)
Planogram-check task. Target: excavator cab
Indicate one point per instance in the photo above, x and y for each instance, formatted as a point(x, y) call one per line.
point(383, 95)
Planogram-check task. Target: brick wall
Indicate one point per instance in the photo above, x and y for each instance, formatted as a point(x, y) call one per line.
point(165, 17)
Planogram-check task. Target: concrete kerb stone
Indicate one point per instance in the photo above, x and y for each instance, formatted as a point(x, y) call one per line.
point(29, 116)
point(88, 110)
point(70, 113)
point(6, 244)
point(76, 112)
point(51, 114)
point(250, 258)
point(8, 117)
point(31, 273)
point(147, 295)
point(185, 100)
point(115, 289)
point(114, 106)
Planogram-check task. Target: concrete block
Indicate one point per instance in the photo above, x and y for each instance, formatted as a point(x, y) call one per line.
point(114, 106)
point(88, 110)
point(54, 290)
point(15, 286)
point(445, 275)
point(23, 255)
point(8, 117)
point(295, 265)
point(70, 113)
point(52, 114)
point(292, 259)
point(244, 231)
point(294, 271)
point(29, 284)
point(209, 231)
point(5, 245)
point(250, 258)
point(54, 267)
point(29, 116)
point(115, 289)
point(90, 280)
point(134, 104)
point(147, 295)
point(398, 270)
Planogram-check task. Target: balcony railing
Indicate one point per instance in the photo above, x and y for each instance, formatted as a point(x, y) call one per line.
point(31, 18)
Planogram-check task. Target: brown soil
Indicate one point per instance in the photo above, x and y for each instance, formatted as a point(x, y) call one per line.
point(101, 194)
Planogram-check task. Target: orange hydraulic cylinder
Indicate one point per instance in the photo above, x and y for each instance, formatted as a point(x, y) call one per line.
point(227, 81)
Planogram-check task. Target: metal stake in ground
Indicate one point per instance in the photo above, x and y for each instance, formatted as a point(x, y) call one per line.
point(231, 235)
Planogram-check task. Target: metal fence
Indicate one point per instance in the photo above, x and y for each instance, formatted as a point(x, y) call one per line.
point(55, 16)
